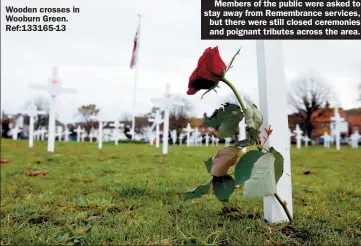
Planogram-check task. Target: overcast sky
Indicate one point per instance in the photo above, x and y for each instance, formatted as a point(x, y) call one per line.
point(93, 56)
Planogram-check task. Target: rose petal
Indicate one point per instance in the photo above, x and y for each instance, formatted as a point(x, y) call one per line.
point(216, 64)
point(192, 91)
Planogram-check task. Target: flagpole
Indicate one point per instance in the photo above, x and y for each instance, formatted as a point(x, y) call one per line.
point(135, 78)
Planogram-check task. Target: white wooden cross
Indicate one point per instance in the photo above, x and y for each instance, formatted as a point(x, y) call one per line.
point(326, 140)
point(200, 140)
point(66, 134)
point(100, 117)
point(83, 134)
point(196, 142)
point(355, 137)
point(43, 131)
point(188, 130)
point(54, 88)
point(207, 139)
point(306, 139)
point(213, 140)
point(32, 113)
point(217, 141)
point(299, 136)
point(150, 134)
point(59, 133)
point(337, 124)
point(117, 126)
point(273, 107)
point(78, 131)
point(174, 136)
point(15, 132)
point(36, 135)
point(166, 103)
point(91, 134)
point(181, 136)
point(227, 142)
point(157, 120)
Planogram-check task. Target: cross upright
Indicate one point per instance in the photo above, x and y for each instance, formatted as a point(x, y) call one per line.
point(157, 120)
point(116, 126)
point(326, 140)
point(354, 139)
point(273, 107)
point(166, 103)
point(188, 130)
point(196, 133)
point(306, 139)
point(32, 113)
point(150, 134)
point(100, 117)
point(78, 132)
point(337, 120)
point(59, 132)
point(42, 131)
point(66, 134)
point(207, 137)
point(299, 137)
point(174, 136)
point(180, 139)
point(54, 88)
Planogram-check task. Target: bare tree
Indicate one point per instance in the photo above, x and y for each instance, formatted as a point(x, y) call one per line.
point(308, 93)
point(181, 111)
point(87, 111)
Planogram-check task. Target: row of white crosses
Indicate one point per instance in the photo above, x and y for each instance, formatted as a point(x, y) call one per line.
point(54, 88)
point(32, 112)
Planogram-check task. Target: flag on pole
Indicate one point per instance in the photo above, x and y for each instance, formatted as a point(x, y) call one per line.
point(135, 49)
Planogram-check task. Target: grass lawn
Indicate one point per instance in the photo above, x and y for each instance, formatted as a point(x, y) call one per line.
point(131, 194)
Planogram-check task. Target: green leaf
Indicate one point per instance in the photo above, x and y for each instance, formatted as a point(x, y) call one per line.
point(245, 164)
point(278, 164)
point(224, 159)
point(242, 143)
point(198, 191)
point(253, 117)
point(223, 187)
point(230, 124)
point(208, 164)
point(262, 182)
point(225, 120)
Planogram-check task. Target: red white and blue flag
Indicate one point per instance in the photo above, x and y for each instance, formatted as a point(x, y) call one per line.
point(135, 49)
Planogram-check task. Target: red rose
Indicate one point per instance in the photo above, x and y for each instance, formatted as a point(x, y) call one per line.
point(208, 72)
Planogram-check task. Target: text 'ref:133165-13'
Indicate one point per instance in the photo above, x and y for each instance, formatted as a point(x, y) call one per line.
point(35, 28)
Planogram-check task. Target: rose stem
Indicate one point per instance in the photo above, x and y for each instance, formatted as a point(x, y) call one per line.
point(284, 207)
point(235, 92)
